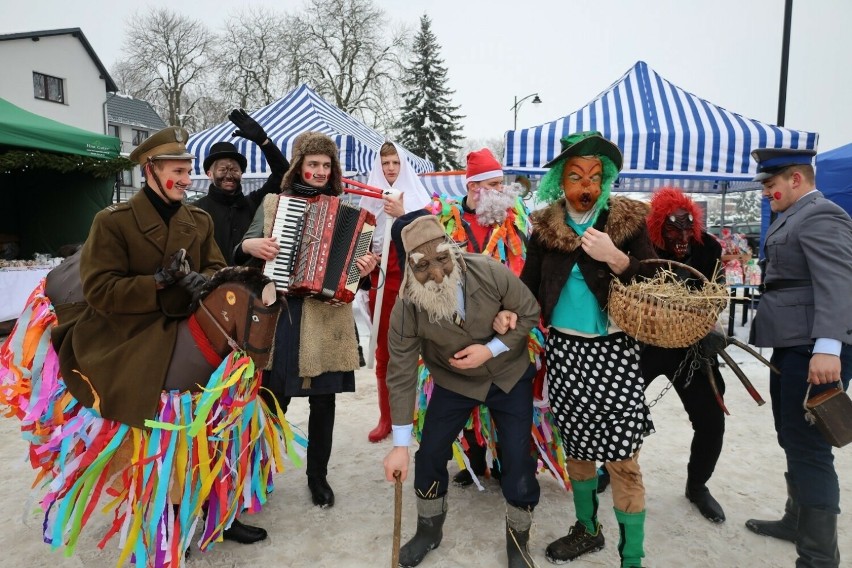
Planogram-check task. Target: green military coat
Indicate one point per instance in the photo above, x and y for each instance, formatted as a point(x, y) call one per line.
point(122, 342)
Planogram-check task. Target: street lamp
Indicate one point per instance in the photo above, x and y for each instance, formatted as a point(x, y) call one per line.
point(516, 106)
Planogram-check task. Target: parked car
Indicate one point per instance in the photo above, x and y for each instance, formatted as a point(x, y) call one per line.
point(750, 229)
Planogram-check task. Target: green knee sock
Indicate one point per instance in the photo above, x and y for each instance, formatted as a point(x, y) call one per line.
point(586, 503)
point(632, 537)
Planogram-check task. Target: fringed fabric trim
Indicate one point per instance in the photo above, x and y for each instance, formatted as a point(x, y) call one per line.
point(207, 457)
point(545, 433)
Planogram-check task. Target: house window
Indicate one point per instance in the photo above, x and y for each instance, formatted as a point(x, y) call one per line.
point(127, 178)
point(139, 136)
point(113, 130)
point(48, 88)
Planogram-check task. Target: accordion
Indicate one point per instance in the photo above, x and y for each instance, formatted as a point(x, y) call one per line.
point(319, 240)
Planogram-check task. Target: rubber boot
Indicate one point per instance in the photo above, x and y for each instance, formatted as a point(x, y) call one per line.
point(816, 539)
point(518, 523)
point(631, 542)
point(431, 514)
point(383, 429)
point(785, 529)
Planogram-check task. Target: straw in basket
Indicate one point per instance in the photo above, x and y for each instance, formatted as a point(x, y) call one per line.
point(664, 311)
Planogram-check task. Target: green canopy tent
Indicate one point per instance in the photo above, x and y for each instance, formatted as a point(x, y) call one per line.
point(54, 178)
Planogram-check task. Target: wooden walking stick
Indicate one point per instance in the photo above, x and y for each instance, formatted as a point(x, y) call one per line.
point(397, 518)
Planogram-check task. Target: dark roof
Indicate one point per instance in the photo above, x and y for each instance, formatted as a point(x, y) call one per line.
point(124, 109)
point(111, 87)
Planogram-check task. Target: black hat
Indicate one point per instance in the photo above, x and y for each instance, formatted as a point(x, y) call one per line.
point(589, 143)
point(222, 150)
point(772, 161)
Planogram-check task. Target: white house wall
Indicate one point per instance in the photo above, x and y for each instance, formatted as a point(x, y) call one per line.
point(59, 56)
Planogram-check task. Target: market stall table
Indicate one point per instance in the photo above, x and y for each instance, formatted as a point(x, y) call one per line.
point(16, 285)
point(748, 300)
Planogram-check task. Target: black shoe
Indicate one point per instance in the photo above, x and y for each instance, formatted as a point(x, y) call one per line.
point(463, 478)
point(576, 543)
point(244, 534)
point(603, 479)
point(707, 505)
point(321, 492)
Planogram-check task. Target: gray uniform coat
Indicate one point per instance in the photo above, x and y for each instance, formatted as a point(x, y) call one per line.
point(810, 242)
point(488, 288)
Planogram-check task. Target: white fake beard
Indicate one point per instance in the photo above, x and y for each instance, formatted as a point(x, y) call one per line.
point(493, 205)
point(440, 301)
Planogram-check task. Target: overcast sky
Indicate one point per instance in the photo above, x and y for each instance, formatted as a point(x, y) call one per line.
point(568, 51)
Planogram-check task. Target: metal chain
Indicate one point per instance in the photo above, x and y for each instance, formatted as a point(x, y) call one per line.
point(693, 359)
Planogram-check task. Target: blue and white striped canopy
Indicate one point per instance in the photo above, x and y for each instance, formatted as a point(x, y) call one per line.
point(664, 132)
point(301, 110)
point(445, 183)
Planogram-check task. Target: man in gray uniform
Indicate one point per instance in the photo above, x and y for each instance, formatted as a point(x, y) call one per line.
point(805, 316)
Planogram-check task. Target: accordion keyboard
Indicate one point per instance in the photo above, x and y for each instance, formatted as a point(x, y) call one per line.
point(287, 228)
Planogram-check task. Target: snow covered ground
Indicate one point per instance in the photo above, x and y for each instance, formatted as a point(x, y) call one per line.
point(357, 531)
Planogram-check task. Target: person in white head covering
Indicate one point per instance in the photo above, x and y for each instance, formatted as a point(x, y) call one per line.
point(391, 171)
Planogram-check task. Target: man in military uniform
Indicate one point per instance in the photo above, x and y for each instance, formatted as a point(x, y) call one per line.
point(140, 266)
point(805, 316)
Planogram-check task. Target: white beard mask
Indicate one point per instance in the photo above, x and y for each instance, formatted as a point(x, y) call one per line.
point(493, 205)
point(440, 301)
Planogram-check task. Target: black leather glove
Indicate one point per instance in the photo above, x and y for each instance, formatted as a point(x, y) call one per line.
point(713, 343)
point(247, 127)
point(177, 268)
point(192, 283)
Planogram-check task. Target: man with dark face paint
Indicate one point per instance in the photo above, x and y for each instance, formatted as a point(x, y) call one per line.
point(448, 301)
point(675, 227)
point(232, 211)
point(580, 242)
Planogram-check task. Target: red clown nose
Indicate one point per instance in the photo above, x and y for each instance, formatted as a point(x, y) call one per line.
point(169, 184)
point(308, 175)
point(777, 196)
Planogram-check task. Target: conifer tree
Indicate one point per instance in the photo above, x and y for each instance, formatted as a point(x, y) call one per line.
point(430, 124)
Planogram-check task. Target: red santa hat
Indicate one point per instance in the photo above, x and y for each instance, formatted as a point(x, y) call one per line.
point(482, 165)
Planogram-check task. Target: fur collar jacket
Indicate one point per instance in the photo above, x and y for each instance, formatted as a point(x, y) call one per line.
point(555, 248)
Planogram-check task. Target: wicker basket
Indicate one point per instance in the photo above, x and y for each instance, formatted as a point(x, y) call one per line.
point(662, 322)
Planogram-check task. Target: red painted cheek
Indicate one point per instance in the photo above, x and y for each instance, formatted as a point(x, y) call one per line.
point(308, 175)
point(169, 184)
point(777, 196)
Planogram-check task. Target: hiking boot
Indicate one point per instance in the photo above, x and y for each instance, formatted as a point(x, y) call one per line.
point(576, 543)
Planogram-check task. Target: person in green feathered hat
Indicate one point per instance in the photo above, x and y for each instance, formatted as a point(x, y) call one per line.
point(581, 241)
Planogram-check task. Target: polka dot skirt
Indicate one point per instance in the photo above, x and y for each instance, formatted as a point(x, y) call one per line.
point(597, 395)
